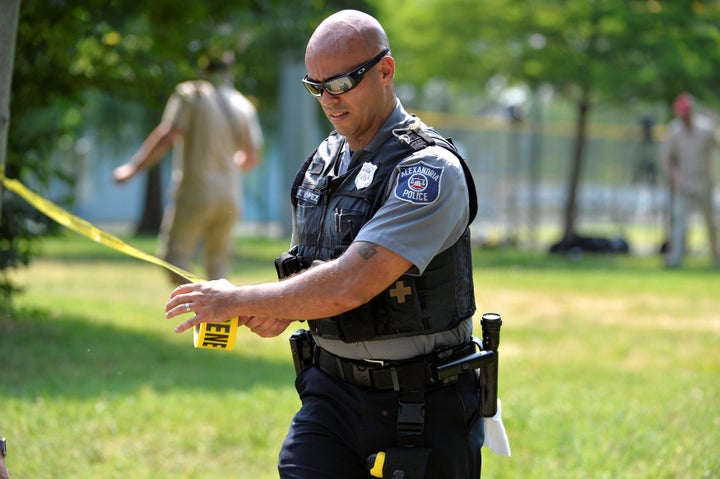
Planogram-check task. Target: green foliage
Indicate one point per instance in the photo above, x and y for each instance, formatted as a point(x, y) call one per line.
point(16, 246)
point(622, 51)
point(102, 64)
point(598, 52)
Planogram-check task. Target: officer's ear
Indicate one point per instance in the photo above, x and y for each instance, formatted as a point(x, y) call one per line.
point(386, 67)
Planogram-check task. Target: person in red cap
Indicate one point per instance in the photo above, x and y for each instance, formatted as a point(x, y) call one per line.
point(688, 159)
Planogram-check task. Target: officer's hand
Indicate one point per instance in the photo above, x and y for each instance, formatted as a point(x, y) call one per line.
point(266, 327)
point(210, 302)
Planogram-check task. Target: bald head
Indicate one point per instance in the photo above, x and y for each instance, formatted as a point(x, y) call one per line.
point(348, 32)
point(339, 47)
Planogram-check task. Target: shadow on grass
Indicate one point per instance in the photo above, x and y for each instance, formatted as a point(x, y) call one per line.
point(73, 357)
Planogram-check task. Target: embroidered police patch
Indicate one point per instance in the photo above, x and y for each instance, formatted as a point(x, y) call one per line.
point(418, 183)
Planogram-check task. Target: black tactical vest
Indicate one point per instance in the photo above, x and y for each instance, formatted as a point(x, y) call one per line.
point(330, 209)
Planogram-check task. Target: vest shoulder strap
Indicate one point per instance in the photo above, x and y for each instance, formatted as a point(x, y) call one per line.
point(417, 139)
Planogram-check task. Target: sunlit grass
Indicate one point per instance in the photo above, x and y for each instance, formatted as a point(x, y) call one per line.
point(609, 368)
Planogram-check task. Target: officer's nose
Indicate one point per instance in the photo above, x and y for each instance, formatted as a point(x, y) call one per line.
point(327, 98)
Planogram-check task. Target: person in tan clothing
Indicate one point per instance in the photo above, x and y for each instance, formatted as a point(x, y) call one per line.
point(688, 159)
point(216, 136)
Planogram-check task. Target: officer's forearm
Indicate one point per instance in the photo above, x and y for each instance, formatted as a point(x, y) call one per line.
point(317, 292)
point(327, 289)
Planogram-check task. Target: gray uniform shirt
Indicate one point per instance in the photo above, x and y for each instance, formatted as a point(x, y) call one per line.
point(417, 225)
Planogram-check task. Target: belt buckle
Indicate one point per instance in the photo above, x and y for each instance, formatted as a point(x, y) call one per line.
point(375, 362)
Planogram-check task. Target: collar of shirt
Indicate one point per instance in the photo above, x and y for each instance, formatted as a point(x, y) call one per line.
point(398, 117)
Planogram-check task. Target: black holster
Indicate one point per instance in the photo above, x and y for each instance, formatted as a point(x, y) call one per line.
point(288, 263)
point(302, 346)
point(488, 375)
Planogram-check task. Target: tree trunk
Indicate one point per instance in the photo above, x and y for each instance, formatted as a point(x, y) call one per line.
point(9, 13)
point(153, 204)
point(570, 216)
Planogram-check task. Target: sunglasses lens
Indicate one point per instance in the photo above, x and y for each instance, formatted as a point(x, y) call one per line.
point(334, 86)
point(314, 90)
point(339, 85)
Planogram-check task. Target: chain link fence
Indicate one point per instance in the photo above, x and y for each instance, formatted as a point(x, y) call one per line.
point(522, 171)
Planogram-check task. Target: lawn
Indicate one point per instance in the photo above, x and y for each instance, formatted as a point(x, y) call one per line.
point(609, 369)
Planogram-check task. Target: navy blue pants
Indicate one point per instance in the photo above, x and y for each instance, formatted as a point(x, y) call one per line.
point(339, 425)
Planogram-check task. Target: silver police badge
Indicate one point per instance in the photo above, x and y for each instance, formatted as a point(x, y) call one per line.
point(365, 177)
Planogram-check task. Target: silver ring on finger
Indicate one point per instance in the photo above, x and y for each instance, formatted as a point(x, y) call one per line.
point(187, 307)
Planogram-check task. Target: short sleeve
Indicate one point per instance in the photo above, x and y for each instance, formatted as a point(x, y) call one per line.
point(178, 107)
point(426, 210)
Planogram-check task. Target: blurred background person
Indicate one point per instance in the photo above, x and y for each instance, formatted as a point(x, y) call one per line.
point(216, 136)
point(688, 159)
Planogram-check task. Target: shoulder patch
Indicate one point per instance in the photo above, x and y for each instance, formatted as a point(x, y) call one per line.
point(418, 183)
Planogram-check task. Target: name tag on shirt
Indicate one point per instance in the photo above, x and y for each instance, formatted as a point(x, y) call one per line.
point(308, 195)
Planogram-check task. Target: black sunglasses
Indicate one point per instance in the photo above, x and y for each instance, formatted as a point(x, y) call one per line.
point(342, 83)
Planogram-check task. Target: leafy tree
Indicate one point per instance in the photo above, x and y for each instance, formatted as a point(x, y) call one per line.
point(72, 55)
point(592, 52)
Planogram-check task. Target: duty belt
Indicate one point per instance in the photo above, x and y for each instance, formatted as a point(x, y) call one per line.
point(389, 375)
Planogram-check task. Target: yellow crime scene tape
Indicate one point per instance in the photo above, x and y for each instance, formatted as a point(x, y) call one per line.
point(205, 335)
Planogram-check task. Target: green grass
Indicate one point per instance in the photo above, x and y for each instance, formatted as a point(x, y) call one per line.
point(609, 369)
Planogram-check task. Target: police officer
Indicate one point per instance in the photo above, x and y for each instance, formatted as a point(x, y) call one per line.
point(381, 241)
